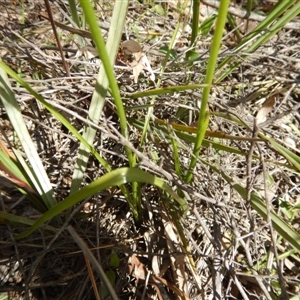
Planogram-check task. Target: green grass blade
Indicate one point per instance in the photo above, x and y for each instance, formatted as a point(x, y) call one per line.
point(274, 14)
point(67, 124)
point(201, 130)
point(274, 28)
point(175, 152)
point(14, 173)
point(73, 9)
point(213, 56)
point(195, 28)
point(163, 67)
point(40, 180)
point(115, 178)
point(186, 134)
point(274, 21)
point(105, 78)
point(168, 90)
point(20, 221)
point(10, 166)
point(291, 157)
point(189, 138)
point(195, 22)
point(56, 114)
point(279, 225)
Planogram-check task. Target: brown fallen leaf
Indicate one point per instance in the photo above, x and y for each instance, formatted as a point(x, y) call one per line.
point(130, 47)
point(130, 54)
point(137, 268)
point(265, 109)
point(133, 56)
point(171, 287)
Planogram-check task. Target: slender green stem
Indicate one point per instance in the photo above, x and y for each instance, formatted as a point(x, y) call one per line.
point(73, 9)
point(100, 45)
point(203, 114)
point(195, 23)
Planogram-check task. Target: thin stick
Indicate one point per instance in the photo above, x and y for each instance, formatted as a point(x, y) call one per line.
point(56, 38)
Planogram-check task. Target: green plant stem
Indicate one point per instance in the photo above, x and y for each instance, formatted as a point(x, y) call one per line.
point(73, 9)
point(195, 23)
point(203, 114)
point(163, 67)
point(100, 45)
point(103, 81)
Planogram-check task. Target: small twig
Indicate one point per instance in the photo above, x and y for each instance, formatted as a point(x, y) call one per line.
point(236, 281)
point(205, 229)
point(217, 259)
point(83, 33)
point(56, 37)
point(284, 294)
point(24, 46)
point(250, 180)
point(241, 241)
point(83, 246)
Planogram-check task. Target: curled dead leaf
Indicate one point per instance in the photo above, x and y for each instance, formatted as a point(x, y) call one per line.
point(130, 54)
point(137, 268)
point(134, 56)
point(265, 109)
point(130, 47)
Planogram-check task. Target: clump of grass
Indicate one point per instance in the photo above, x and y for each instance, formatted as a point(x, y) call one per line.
point(173, 173)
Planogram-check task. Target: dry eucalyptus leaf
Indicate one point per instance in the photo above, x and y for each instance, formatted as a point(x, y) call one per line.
point(140, 60)
point(265, 109)
point(139, 65)
point(130, 47)
point(136, 268)
point(131, 54)
point(137, 69)
point(145, 62)
point(177, 261)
